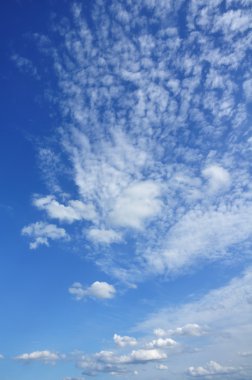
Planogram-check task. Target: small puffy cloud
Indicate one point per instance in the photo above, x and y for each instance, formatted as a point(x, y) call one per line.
point(218, 178)
point(104, 236)
point(101, 290)
point(212, 368)
point(161, 343)
point(123, 341)
point(1, 357)
point(160, 332)
point(42, 356)
point(143, 355)
point(190, 329)
point(75, 210)
point(162, 366)
point(138, 203)
point(42, 232)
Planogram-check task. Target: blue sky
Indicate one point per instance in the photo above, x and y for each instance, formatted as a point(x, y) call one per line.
point(126, 192)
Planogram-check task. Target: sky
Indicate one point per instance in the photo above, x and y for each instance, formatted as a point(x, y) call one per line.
point(126, 196)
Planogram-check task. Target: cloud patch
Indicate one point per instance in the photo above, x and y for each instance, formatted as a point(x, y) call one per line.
point(42, 356)
point(75, 210)
point(100, 290)
point(42, 233)
point(211, 369)
point(123, 341)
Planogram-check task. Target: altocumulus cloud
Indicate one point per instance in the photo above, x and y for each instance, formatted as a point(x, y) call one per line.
point(156, 136)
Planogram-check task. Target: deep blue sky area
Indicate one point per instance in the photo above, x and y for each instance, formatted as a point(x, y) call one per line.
point(125, 196)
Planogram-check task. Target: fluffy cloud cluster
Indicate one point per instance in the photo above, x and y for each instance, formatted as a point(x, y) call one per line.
point(107, 361)
point(123, 341)
point(212, 368)
point(161, 343)
point(101, 290)
point(75, 210)
point(42, 232)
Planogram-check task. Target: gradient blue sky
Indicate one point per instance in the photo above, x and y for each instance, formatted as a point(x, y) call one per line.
point(126, 211)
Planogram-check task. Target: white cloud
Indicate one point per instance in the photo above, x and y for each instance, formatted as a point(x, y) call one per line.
point(136, 204)
point(201, 235)
point(146, 355)
point(247, 88)
point(190, 329)
point(42, 232)
point(123, 341)
point(43, 356)
point(136, 356)
point(161, 343)
point(245, 353)
point(234, 21)
point(143, 110)
point(25, 65)
point(218, 178)
point(160, 332)
point(101, 290)
point(75, 210)
point(212, 368)
point(226, 311)
point(1, 357)
point(109, 362)
point(104, 236)
point(162, 367)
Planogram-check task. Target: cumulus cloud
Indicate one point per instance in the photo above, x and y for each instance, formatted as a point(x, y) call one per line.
point(43, 356)
point(103, 236)
point(161, 343)
point(123, 341)
point(74, 210)
point(146, 355)
point(212, 368)
point(101, 290)
point(109, 362)
point(226, 311)
point(42, 232)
